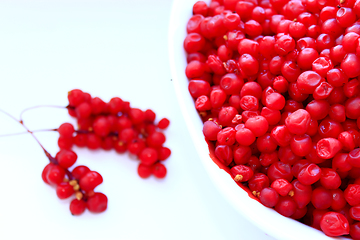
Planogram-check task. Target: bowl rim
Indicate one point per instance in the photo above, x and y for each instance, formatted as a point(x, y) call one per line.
point(265, 218)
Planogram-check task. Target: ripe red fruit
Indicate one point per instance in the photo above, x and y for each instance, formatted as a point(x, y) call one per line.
point(328, 147)
point(258, 125)
point(269, 197)
point(351, 65)
point(144, 171)
point(159, 170)
point(76, 97)
point(64, 190)
point(77, 207)
point(66, 158)
point(148, 156)
point(334, 224)
point(66, 130)
point(163, 123)
point(79, 171)
point(352, 194)
point(97, 203)
point(53, 174)
point(90, 181)
point(248, 65)
point(298, 121)
point(101, 126)
point(308, 81)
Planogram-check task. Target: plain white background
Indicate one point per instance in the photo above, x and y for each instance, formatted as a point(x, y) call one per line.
point(107, 48)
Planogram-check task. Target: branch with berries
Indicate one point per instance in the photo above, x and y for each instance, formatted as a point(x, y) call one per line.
point(101, 125)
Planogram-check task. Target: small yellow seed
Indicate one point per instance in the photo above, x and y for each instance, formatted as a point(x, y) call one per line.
point(225, 37)
point(78, 195)
point(73, 182)
point(291, 193)
point(238, 178)
point(76, 187)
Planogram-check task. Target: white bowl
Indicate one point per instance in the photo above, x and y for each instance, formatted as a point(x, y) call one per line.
point(265, 218)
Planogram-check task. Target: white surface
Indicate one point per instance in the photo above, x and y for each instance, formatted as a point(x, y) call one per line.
point(107, 48)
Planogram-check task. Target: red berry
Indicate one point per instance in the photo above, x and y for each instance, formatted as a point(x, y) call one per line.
point(352, 194)
point(328, 147)
point(164, 153)
point(258, 125)
point(282, 186)
point(286, 206)
point(309, 174)
point(98, 106)
point(269, 197)
point(298, 121)
point(83, 110)
point(156, 139)
point(144, 171)
point(54, 174)
point(308, 81)
point(77, 207)
point(351, 65)
point(136, 115)
point(321, 198)
point(80, 140)
point(148, 156)
point(163, 123)
point(97, 203)
point(150, 115)
point(334, 224)
point(90, 180)
point(241, 173)
point(79, 171)
point(101, 126)
point(64, 190)
point(65, 143)
point(66, 130)
point(115, 105)
point(75, 97)
point(159, 170)
point(66, 158)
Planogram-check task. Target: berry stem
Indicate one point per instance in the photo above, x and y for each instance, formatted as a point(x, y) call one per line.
point(48, 155)
point(20, 133)
point(40, 106)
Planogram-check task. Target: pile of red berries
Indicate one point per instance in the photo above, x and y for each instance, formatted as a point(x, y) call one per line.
point(113, 125)
point(277, 84)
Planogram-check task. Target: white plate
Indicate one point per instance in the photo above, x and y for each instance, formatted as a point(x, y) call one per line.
point(265, 218)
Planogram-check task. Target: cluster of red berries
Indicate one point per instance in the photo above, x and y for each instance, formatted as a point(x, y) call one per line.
point(277, 84)
point(113, 125)
point(80, 182)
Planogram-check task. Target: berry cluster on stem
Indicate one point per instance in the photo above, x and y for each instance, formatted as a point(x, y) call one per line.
point(116, 125)
point(113, 125)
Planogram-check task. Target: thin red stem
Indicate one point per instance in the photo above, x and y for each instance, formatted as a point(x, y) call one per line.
point(40, 106)
point(48, 155)
point(20, 133)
